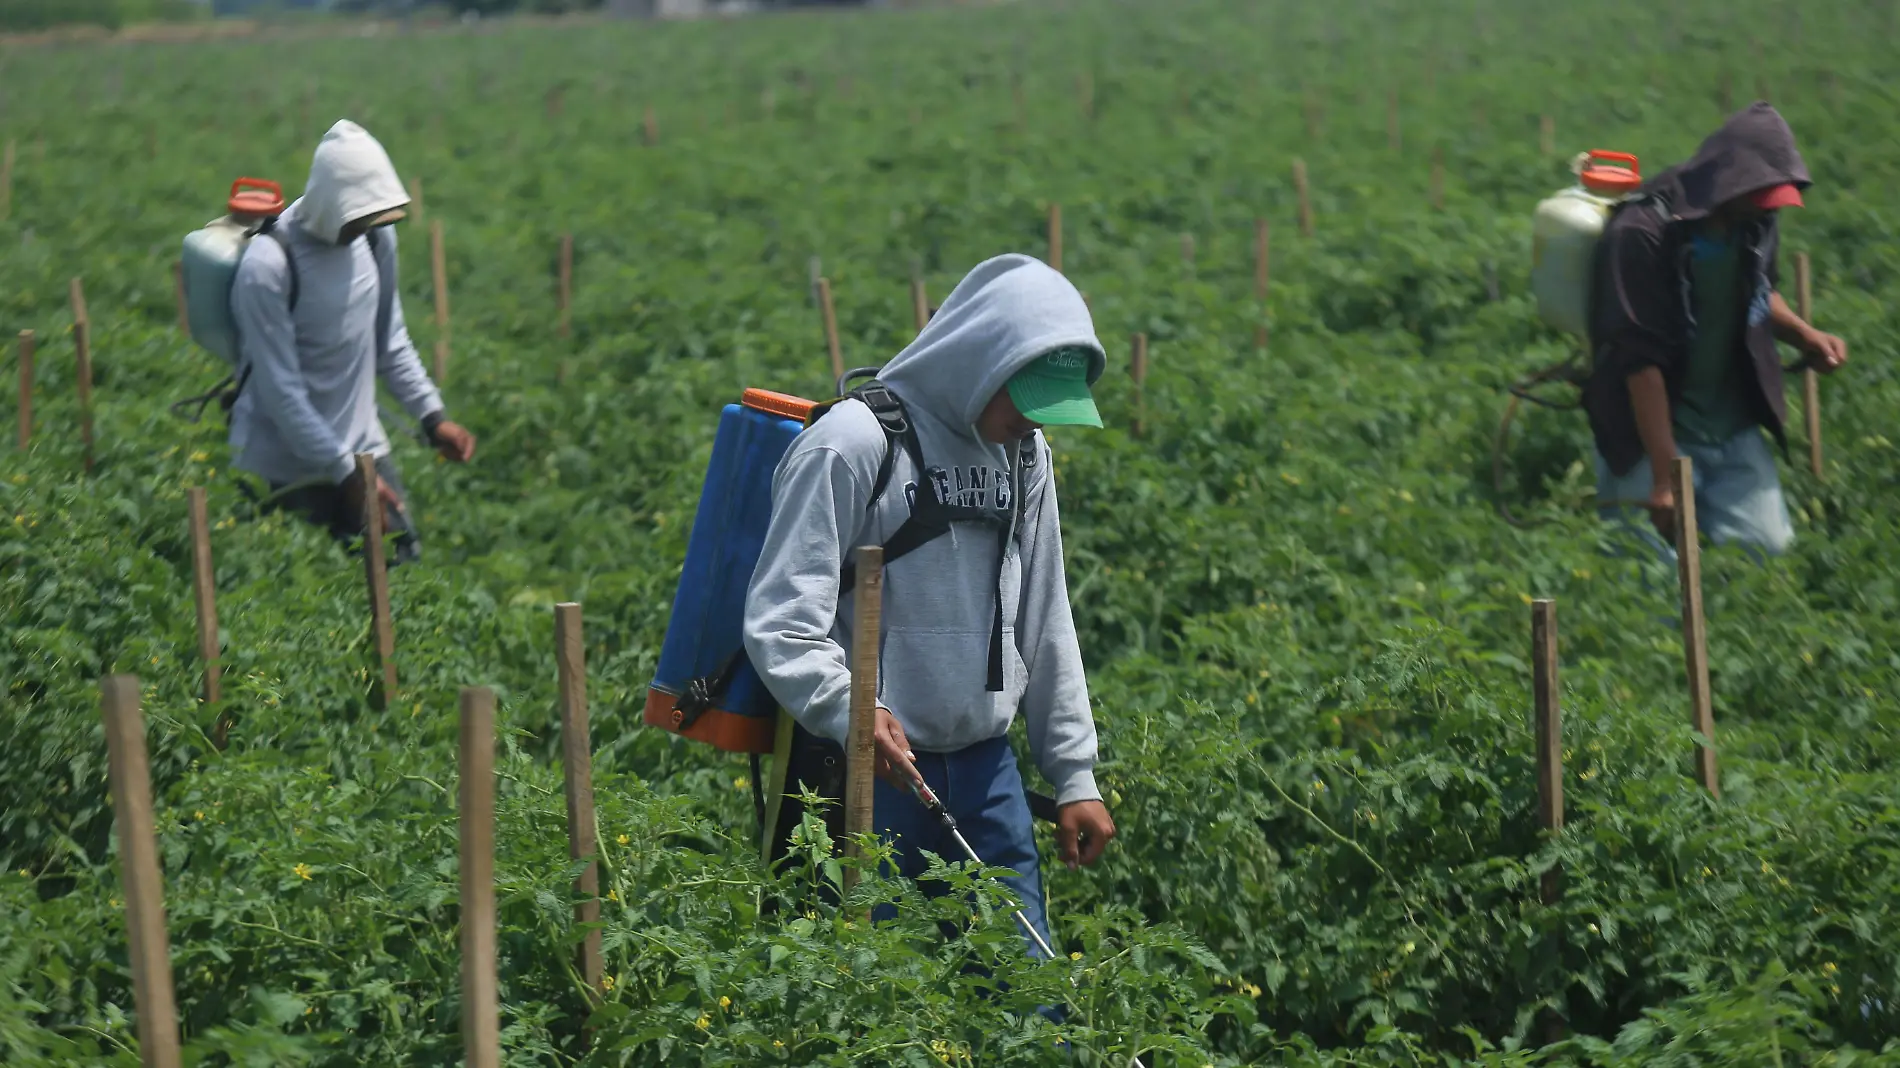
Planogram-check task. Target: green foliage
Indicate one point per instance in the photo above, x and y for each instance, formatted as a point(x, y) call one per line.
point(1306, 626)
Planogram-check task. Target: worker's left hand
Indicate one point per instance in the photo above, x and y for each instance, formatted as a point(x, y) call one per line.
point(1826, 352)
point(454, 442)
point(1083, 829)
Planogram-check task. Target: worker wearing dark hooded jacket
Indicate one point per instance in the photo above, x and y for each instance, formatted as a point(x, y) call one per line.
point(308, 405)
point(967, 640)
point(1684, 321)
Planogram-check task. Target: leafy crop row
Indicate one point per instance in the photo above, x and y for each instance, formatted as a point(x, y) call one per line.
point(1306, 627)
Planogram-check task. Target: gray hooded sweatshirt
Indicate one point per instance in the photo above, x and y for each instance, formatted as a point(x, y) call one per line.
point(310, 403)
point(939, 601)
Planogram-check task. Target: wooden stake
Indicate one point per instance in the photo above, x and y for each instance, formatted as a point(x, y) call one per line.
point(1262, 250)
point(1810, 379)
point(1547, 135)
point(860, 751)
point(650, 127)
point(82, 350)
point(831, 328)
point(76, 295)
point(204, 593)
point(1055, 236)
point(378, 575)
point(1393, 139)
point(1695, 645)
point(481, 1013)
point(26, 389)
point(919, 298)
point(415, 197)
point(178, 291)
point(1550, 737)
point(577, 764)
point(1438, 178)
point(438, 267)
point(1187, 249)
point(814, 270)
point(6, 181)
point(567, 281)
point(153, 997)
point(1138, 370)
point(1306, 203)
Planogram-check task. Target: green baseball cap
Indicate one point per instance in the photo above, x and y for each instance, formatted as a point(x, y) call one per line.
point(1054, 389)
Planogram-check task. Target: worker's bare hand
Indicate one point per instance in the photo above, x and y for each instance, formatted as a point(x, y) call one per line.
point(894, 758)
point(1662, 512)
point(1083, 829)
point(1826, 352)
point(454, 442)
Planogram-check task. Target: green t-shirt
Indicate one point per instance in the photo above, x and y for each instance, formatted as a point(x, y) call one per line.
point(1714, 405)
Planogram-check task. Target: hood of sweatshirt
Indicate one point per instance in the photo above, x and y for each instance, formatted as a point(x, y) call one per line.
point(350, 177)
point(1006, 313)
point(1752, 151)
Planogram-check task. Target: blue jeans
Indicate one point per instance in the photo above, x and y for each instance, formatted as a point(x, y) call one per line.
point(983, 789)
point(1737, 496)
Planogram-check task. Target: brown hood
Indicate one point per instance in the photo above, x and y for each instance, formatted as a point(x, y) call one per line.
point(1752, 151)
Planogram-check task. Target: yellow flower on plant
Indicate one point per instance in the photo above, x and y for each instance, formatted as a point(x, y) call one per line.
point(200, 456)
point(1077, 955)
point(623, 839)
point(613, 895)
point(607, 983)
point(741, 783)
point(303, 872)
point(725, 1002)
point(704, 1023)
point(199, 814)
point(778, 1043)
point(1829, 968)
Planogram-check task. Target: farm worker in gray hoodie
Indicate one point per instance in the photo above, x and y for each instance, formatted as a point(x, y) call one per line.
point(968, 639)
point(311, 370)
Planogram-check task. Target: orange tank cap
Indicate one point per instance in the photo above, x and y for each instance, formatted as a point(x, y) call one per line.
point(780, 404)
point(1618, 180)
point(256, 196)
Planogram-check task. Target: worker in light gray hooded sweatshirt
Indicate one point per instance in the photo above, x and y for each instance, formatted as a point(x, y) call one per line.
point(314, 335)
point(968, 639)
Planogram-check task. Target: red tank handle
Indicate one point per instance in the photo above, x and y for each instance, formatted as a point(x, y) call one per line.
point(255, 196)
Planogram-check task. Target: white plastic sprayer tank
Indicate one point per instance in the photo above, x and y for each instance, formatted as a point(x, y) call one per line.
point(1564, 235)
point(210, 259)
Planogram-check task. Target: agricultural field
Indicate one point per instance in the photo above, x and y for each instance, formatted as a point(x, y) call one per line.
point(1307, 627)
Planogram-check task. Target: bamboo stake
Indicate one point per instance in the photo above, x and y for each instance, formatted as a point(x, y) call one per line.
point(378, 575)
point(1547, 135)
point(1810, 379)
point(438, 266)
point(26, 389)
point(567, 282)
point(204, 593)
point(1545, 696)
point(1695, 645)
point(650, 127)
point(153, 996)
point(830, 316)
point(1438, 178)
point(577, 765)
point(1138, 370)
point(1055, 236)
point(1306, 202)
point(6, 181)
point(481, 1013)
point(814, 270)
point(919, 298)
point(178, 292)
point(82, 350)
point(861, 751)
